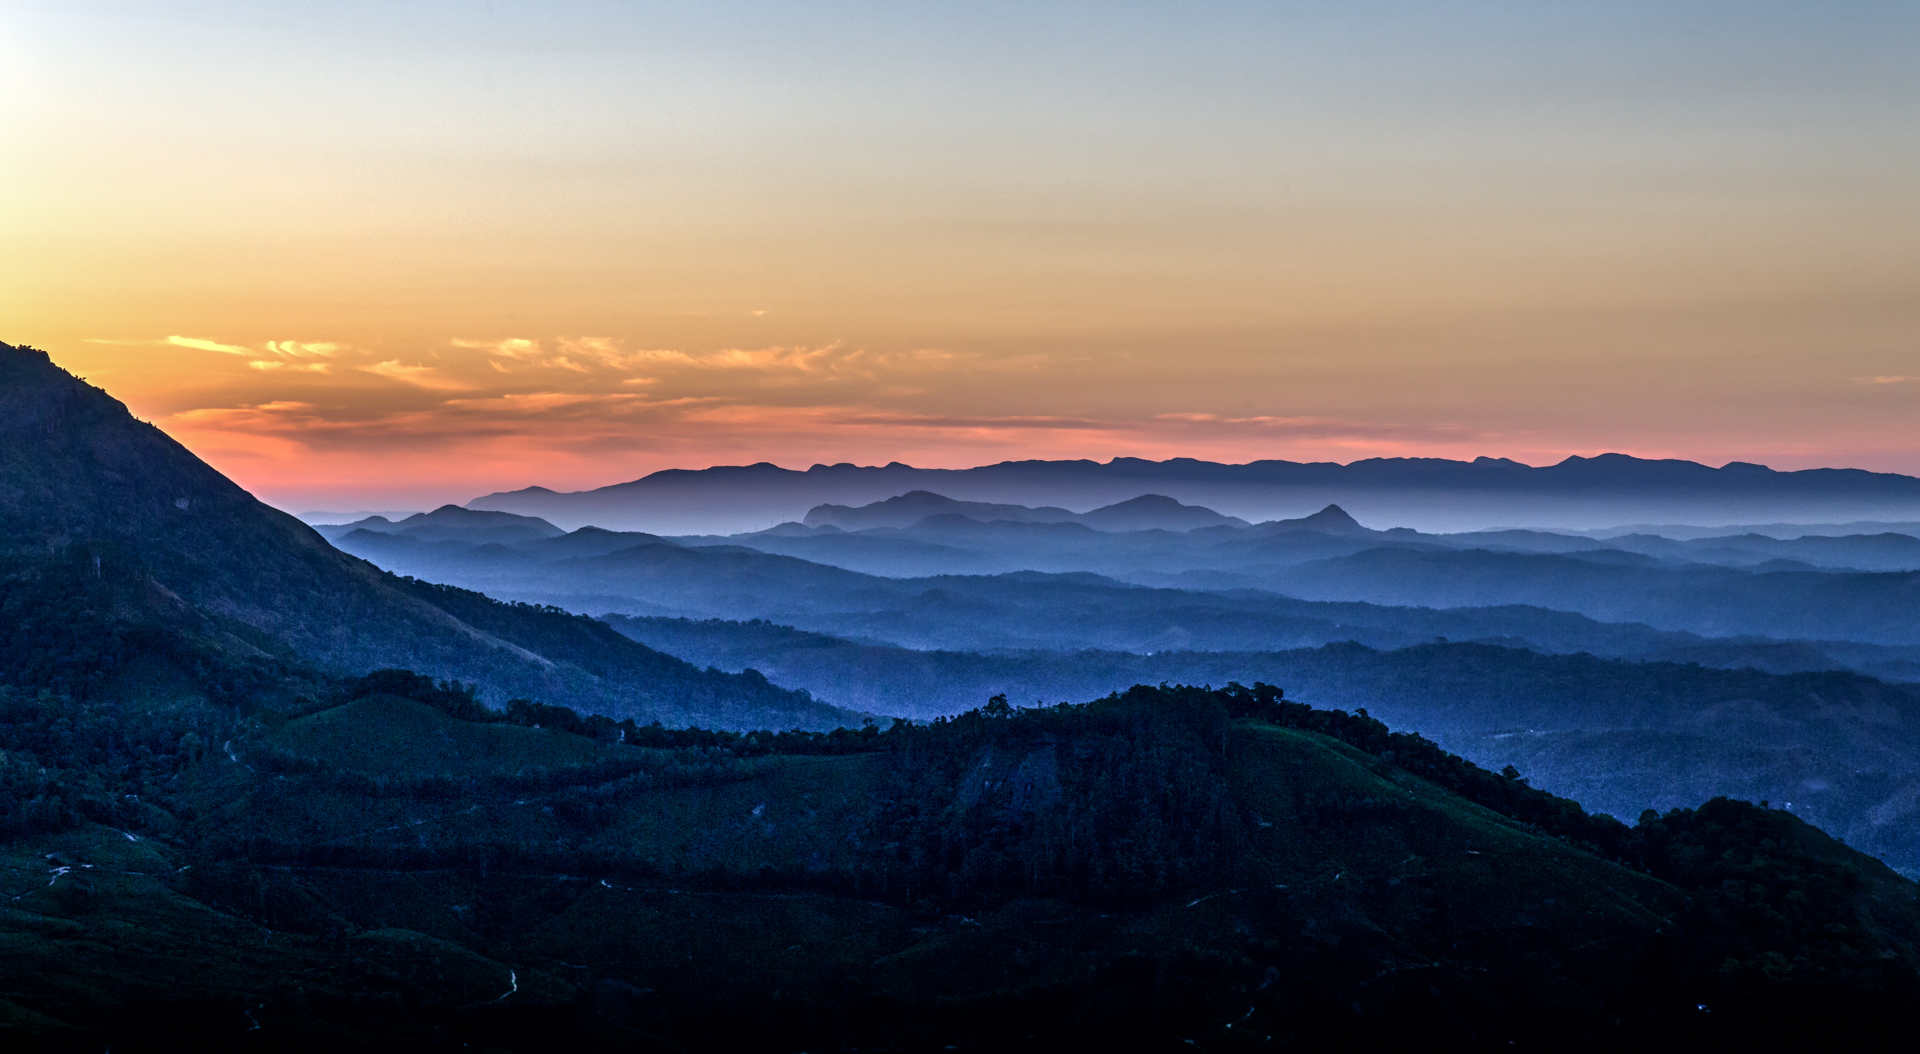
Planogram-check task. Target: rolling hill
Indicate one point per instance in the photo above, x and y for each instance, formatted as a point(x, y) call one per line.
point(1158, 870)
point(1839, 749)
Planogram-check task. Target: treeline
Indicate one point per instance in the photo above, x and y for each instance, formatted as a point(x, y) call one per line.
point(64, 761)
point(87, 622)
point(1159, 726)
point(1120, 800)
point(460, 701)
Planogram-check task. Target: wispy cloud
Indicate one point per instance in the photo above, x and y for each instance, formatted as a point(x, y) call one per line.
point(512, 347)
point(295, 367)
point(1889, 380)
point(293, 355)
point(294, 349)
point(1315, 427)
point(430, 377)
point(200, 344)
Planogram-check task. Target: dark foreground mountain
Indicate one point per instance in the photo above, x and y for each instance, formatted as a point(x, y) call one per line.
point(396, 867)
point(1839, 749)
point(129, 567)
point(1434, 493)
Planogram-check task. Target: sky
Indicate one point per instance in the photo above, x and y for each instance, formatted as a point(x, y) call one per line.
point(388, 255)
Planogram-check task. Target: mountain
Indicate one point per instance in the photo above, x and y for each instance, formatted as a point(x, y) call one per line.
point(1155, 512)
point(118, 543)
point(968, 612)
point(1430, 493)
point(1842, 750)
point(953, 582)
point(1783, 601)
point(1146, 512)
point(451, 523)
point(1331, 520)
point(1163, 869)
point(910, 508)
point(937, 539)
point(1784, 531)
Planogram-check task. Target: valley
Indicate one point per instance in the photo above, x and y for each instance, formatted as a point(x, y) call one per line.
point(469, 778)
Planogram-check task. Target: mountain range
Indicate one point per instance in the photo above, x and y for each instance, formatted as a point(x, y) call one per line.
point(1213, 587)
point(1431, 493)
point(1747, 682)
point(228, 821)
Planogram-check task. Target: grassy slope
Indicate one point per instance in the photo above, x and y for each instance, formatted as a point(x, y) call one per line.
point(380, 872)
point(668, 913)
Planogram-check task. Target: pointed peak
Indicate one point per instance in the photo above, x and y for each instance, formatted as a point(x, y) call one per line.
point(1331, 520)
point(1148, 501)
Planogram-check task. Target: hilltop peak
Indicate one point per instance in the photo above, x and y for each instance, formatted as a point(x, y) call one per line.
point(1155, 512)
point(1332, 516)
point(1331, 520)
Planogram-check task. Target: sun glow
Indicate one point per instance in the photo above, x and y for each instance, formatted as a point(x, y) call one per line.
point(480, 250)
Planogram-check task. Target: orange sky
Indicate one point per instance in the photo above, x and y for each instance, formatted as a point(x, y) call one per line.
point(370, 257)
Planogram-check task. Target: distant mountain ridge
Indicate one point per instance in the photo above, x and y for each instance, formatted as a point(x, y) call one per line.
point(1431, 493)
point(1858, 589)
point(1146, 512)
point(451, 521)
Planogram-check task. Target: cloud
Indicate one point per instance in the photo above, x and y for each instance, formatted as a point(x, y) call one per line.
point(276, 416)
point(418, 376)
point(885, 419)
point(1889, 380)
point(538, 402)
point(607, 407)
point(592, 359)
point(286, 354)
point(1315, 427)
point(512, 347)
point(210, 345)
point(295, 367)
point(298, 350)
point(665, 355)
point(582, 355)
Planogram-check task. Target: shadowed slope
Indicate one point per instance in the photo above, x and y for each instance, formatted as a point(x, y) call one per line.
point(106, 519)
point(1159, 870)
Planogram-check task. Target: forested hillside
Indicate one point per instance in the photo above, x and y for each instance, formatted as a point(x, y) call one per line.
point(396, 866)
point(1840, 749)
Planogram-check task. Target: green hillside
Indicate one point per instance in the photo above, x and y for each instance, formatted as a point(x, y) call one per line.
point(1841, 750)
point(1159, 869)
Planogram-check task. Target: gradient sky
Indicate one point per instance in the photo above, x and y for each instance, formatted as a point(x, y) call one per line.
point(386, 255)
